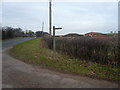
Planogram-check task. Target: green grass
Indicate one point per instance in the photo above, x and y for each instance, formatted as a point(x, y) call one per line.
point(32, 52)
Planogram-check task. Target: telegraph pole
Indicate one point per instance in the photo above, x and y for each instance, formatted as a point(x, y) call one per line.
point(50, 17)
point(42, 28)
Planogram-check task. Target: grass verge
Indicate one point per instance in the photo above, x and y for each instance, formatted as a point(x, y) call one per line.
point(31, 52)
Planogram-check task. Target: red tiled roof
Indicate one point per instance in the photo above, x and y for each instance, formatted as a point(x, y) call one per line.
point(94, 33)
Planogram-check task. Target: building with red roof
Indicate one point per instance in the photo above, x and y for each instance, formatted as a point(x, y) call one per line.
point(95, 34)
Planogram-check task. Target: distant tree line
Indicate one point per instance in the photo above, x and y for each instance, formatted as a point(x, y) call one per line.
point(9, 32)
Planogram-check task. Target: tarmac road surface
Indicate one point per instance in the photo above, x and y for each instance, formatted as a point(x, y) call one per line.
point(9, 43)
point(17, 74)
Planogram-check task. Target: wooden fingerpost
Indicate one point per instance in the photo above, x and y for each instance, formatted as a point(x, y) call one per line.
point(54, 46)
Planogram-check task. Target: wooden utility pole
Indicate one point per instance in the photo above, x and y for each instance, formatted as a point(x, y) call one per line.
point(42, 28)
point(50, 17)
point(54, 37)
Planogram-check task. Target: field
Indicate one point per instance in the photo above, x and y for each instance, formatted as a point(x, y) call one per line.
point(36, 52)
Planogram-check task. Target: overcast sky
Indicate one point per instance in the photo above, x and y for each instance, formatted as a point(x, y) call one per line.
point(73, 17)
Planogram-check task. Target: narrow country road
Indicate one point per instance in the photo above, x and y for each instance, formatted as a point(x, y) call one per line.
point(9, 43)
point(17, 74)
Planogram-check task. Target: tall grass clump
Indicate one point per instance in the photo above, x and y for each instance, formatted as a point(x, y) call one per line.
point(102, 50)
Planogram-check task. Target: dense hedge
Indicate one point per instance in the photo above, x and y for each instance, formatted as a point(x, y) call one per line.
point(100, 50)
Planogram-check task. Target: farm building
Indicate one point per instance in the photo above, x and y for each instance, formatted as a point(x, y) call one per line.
point(95, 34)
point(41, 33)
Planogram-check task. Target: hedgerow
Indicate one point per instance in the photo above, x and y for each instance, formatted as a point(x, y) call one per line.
point(103, 50)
